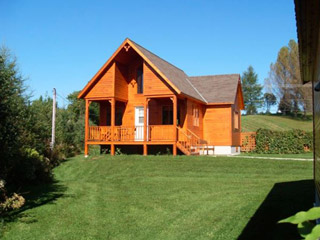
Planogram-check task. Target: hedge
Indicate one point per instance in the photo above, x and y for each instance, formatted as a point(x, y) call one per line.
point(284, 142)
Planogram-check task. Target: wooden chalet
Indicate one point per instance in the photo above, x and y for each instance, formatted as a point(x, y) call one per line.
point(308, 29)
point(144, 101)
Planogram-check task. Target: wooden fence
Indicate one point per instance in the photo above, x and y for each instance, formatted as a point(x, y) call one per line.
point(248, 141)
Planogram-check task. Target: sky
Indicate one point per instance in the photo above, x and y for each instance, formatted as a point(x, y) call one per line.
point(62, 44)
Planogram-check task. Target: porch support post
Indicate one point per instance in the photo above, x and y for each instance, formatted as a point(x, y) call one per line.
point(112, 151)
point(145, 123)
point(145, 128)
point(86, 130)
point(175, 115)
point(113, 121)
point(145, 149)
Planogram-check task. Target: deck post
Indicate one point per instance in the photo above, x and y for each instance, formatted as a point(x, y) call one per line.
point(113, 120)
point(112, 150)
point(175, 115)
point(86, 132)
point(145, 129)
point(145, 149)
point(145, 123)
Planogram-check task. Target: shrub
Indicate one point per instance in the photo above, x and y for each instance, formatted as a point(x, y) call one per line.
point(9, 203)
point(31, 167)
point(283, 142)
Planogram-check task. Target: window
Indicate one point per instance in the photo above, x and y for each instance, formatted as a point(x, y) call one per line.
point(195, 114)
point(167, 115)
point(236, 120)
point(140, 80)
point(141, 116)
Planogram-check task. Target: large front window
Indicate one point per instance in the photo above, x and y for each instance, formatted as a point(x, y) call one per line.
point(140, 80)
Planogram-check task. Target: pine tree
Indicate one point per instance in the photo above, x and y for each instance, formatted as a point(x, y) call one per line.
point(252, 91)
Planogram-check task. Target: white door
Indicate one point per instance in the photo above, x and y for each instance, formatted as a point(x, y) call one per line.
point(139, 124)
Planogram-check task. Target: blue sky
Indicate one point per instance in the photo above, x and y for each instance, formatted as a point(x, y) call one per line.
point(62, 44)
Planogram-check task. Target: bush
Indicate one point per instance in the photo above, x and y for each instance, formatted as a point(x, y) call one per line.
point(283, 142)
point(31, 168)
point(9, 203)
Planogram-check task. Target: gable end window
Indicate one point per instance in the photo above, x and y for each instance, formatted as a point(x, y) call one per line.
point(140, 80)
point(195, 115)
point(236, 120)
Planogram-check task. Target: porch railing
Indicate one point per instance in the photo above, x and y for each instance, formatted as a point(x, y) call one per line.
point(131, 133)
point(122, 133)
point(99, 133)
point(161, 133)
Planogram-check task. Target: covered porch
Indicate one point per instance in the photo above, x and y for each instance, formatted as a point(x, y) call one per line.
point(156, 121)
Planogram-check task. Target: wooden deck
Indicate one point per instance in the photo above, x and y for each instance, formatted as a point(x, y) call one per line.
point(185, 140)
point(156, 133)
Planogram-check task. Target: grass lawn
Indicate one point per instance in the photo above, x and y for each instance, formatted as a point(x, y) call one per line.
point(308, 155)
point(251, 123)
point(165, 197)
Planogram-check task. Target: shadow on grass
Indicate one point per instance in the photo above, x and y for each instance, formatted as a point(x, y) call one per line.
point(285, 199)
point(35, 196)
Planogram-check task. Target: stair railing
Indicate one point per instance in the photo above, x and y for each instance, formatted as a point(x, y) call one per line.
point(192, 143)
point(184, 139)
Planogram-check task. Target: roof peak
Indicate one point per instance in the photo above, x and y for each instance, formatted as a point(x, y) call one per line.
point(154, 54)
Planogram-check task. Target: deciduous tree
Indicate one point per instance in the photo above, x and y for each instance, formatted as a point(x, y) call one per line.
point(270, 100)
point(285, 82)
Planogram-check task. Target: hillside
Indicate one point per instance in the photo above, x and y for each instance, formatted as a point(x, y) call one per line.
point(280, 123)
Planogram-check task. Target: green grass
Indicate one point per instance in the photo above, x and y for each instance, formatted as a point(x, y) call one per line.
point(251, 123)
point(165, 197)
point(308, 155)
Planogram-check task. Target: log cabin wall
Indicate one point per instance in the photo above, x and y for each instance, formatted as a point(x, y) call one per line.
point(194, 118)
point(121, 83)
point(105, 85)
point(153, 84)
point(217, 125)
point(182, 110)
point(156, 110)
point(134, 99)
point(236, 122)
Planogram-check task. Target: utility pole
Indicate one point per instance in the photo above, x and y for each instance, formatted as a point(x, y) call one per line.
point(53, 133)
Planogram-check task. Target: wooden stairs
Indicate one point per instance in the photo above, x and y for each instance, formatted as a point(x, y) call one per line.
point(189, 143)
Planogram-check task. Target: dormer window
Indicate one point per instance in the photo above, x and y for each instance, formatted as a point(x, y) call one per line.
point(140, 80)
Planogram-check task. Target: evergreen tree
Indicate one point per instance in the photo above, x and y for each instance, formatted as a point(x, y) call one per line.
point(252, 91)
point(20, 163)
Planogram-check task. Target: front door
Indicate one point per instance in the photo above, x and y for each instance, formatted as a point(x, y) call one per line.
point(139, 124)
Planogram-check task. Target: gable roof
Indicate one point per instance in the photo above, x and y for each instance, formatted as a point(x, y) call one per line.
point(217, 88)
point(207, 89)
point(174, 74)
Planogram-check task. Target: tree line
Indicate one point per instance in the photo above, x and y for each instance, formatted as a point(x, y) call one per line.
point(25, 133)
point(283, 87)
